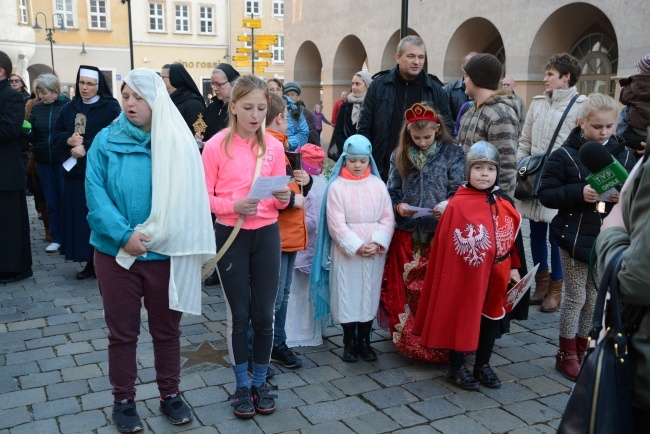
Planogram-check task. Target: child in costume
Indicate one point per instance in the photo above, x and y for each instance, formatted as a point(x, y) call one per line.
point(425, 169)
point(359, 216)
point(473, 257)
point(300, 327)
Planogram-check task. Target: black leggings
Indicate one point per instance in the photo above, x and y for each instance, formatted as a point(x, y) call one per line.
point(249, 273)
point(486, 339)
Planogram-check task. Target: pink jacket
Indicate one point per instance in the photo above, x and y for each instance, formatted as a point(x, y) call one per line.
point(229, 179)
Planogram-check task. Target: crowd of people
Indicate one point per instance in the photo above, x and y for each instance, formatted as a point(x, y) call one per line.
point(416, 225)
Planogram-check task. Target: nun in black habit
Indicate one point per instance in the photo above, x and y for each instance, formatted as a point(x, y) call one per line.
point(184, 93)
point(92, 109)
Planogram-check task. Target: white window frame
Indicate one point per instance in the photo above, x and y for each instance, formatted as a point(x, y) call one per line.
point(278, 50)
point(180, 19)
point(254, 4)
point(69, 15)
point(106, 14)
point(23, 12)
point(205, 21)
point(279, 5)
point(159, 16)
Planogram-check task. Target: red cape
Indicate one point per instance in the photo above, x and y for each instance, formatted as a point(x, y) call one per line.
point(471, 236)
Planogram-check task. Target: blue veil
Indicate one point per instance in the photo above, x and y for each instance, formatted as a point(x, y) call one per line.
point(356, 146)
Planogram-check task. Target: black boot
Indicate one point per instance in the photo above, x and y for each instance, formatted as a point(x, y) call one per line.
point(363, 335)
point(212, 280)
point(350, 352)
point(87, 272)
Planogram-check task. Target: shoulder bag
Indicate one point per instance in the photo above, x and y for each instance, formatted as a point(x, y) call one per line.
point(531, 168)
point(601, 401)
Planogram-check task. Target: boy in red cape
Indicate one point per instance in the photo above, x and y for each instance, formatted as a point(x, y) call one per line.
point(472, 259)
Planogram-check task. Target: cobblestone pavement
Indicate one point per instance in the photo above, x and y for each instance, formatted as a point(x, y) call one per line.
point(53, 373)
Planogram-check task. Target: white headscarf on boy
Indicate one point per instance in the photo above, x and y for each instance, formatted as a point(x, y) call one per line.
point(179, 224)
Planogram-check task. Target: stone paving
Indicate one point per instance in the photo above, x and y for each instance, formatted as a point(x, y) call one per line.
point(53, 373)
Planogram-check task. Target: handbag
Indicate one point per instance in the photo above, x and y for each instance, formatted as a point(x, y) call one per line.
point(601, 401)
point(531, 168)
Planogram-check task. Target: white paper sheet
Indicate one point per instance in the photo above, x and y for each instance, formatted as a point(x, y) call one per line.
point(605, 196)
point(419, 212)
point(69, 163)
point(263, 187)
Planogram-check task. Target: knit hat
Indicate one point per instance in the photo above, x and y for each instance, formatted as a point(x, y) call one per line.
point(312, 158)
point(644, 64)
point(292, 85)
point(365, 76)
point(231, 73)
point(485, 71)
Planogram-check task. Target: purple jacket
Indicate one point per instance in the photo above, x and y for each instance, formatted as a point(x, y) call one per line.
point(319, 118)
point(313, 203)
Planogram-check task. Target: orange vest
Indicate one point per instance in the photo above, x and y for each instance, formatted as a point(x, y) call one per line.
point(293, 229)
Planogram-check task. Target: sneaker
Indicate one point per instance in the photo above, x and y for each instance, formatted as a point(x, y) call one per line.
point(463, 379)
point(176, 410)
point(270, 373)
point(242, 403)
point(53, 248)
point(212, 280)
point(126, 417)
point(486, 376)
point(263, 399)
point(282, 354)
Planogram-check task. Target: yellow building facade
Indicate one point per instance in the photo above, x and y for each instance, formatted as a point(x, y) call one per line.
point(96, 33)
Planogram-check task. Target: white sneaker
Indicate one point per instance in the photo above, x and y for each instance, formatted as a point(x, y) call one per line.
point(52, 248)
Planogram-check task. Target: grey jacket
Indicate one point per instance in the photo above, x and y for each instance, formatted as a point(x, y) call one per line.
point(439, 178)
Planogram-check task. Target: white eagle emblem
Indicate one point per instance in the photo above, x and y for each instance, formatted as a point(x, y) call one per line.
point(472, 247)
point(504, 236)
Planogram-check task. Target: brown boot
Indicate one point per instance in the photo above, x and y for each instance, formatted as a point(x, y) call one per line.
point(552, 300)
point(566, 360)
point(581, 348)
point(542, 282)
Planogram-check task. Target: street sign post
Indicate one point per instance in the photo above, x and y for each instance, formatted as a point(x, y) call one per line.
point(258, 43)
point(251, 23)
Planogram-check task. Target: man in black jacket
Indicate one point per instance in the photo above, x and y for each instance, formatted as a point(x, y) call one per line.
point(456, 91)
point(392, 93)
point(16, 254)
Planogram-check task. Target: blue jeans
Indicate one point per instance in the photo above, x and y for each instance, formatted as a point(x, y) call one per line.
point(539, 249)
point(287, 262)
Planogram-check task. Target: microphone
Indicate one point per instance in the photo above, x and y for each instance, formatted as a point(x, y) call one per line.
point(606, 171)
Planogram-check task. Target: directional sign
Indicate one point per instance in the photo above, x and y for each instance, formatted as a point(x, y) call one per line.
point(265, 55)
point(244, 38)
point(239, 58)
point(244, 50)
point(259, 69)
point(244, 63)
point(266, 38)
point(260, 46)
point(261, 64)
point(251, 23)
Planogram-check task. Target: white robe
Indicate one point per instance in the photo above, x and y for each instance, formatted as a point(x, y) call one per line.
point(358, 212)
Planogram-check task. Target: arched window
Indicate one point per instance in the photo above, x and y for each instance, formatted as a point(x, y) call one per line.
point(501, 55)
point(598, 56)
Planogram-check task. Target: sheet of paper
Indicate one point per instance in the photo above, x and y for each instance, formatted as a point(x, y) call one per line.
point(419, 212)
point(69, 163)
point(517, 292)
point(263, 187)
point(605, 196)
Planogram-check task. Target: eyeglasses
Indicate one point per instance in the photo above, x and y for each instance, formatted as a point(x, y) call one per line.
point(86, 84)
point(215, 84)
point(14, 80)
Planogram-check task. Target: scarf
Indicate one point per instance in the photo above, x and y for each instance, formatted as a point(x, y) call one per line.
point(143, 138)
point(179, 224)
point(419, 156)
point(356, 102)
